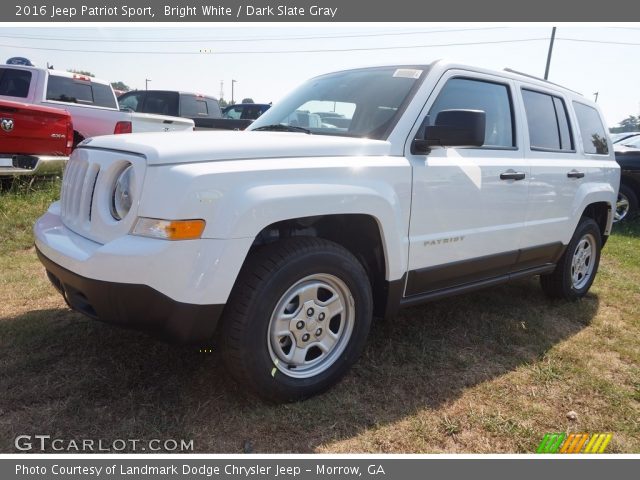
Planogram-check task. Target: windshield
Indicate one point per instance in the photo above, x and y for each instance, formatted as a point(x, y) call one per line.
point(356, 103)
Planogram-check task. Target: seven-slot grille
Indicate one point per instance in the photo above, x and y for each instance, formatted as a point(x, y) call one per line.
point(76, 197)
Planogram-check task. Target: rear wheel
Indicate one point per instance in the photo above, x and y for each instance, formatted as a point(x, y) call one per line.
point(578, 266)
point(627, 204)
point(297, 319)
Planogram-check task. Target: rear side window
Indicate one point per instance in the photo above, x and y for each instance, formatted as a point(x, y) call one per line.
point(161, 103)
point(214, 108)
point(548, 122)
point(594, 137)
point(14, 82)
point(492, 98)
point(103, 95)
point(193, 106)
point(70, 90)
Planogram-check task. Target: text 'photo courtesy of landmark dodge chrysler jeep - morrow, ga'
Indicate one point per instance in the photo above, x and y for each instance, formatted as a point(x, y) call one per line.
point(283, 241)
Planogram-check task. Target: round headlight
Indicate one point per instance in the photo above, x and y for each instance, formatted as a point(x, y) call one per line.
point(121, 196)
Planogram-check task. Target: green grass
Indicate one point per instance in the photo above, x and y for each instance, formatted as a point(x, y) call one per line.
point(487, 372)
point(22, 200)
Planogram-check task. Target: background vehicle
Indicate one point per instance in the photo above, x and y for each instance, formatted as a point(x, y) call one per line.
point(628, 157)
point(34, 140)
point(621, 137)
point(244, 113)
point(290, 236)
point(90, 101)
point(202, 109)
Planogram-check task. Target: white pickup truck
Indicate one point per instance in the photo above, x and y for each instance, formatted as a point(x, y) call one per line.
point(362, 192)
point(90, 101)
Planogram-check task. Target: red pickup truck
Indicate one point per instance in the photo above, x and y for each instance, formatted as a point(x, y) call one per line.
point(34, 140)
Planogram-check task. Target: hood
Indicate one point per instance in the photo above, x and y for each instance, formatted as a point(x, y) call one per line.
point(620, 148)
point(202, 146)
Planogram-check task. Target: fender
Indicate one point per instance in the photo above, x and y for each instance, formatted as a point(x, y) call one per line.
point(588, 194)
point(237, 202)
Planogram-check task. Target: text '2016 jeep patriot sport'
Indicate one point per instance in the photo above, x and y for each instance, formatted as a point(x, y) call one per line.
point(286, 240)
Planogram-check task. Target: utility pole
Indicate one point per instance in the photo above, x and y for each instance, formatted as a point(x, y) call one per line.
point(221, 89)
point(233, 82)
point(553, 37)
point(595, 94)
point(146, 83)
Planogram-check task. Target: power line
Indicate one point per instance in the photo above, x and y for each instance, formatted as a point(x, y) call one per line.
point(606, 42)
point(320, 50)
point(245, 39)
point(241, 52)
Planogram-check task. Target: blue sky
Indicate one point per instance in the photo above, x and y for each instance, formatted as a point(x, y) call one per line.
point(247, 54)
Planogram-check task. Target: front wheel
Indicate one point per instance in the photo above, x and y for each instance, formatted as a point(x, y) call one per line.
point(297, 319)
point(577, 268)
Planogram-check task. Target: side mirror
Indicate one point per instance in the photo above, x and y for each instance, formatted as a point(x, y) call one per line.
point(453, 128)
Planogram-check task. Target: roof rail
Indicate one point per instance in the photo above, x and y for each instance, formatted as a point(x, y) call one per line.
point(541, 79)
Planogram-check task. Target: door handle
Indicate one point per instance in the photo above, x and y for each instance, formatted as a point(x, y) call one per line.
point(512, 175)
point(575, 174)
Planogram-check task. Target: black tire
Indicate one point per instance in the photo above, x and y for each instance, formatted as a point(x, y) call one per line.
point(560, 283)
point(268, 274)
point(627, 193)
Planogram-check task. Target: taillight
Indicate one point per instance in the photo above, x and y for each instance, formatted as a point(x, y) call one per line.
point(69, 137)
point(122, 127)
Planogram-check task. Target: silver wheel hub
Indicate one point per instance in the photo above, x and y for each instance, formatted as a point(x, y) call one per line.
point(311, 326)
point(583, 262)
point(622, 208)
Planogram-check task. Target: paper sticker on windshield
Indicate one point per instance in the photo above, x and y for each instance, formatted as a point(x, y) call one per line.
point(407, 73)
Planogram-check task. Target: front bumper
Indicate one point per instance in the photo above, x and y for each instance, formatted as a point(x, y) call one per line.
point(176, 290)
point(134, 306)
point(31, 164)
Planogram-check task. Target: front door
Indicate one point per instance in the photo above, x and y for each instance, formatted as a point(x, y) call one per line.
point(468, 204)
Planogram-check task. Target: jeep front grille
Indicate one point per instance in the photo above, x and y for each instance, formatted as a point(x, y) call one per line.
point(76, 197)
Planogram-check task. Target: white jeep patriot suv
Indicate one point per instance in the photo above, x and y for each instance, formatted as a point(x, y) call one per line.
point(361, 192)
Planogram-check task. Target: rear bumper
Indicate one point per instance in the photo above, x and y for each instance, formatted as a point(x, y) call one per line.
point(31, 164)
point(134, 306)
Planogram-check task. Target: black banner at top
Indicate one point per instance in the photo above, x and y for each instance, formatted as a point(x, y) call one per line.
point(319, 11)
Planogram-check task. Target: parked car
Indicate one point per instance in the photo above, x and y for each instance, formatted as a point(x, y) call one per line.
point(90, 101)
point(628, 157)
point(202, 109)
point(287, 240)
point(34, 140)
point(621, 137)
point(194, 106)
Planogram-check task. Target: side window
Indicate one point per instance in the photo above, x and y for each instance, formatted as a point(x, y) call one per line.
point(492, 98)
point(161, 103)
point(66, 89)
point(214, 108)
point(594, 137)
point(547, 121)
point(233, 113)
point(103, 95)
point(193, 106)
point(132, 101)
point(14, 82)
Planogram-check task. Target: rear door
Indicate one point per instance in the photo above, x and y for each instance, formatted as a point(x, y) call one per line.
point(560, 166)
point(468, 204)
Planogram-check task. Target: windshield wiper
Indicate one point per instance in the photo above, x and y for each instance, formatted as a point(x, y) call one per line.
point(282, 128)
